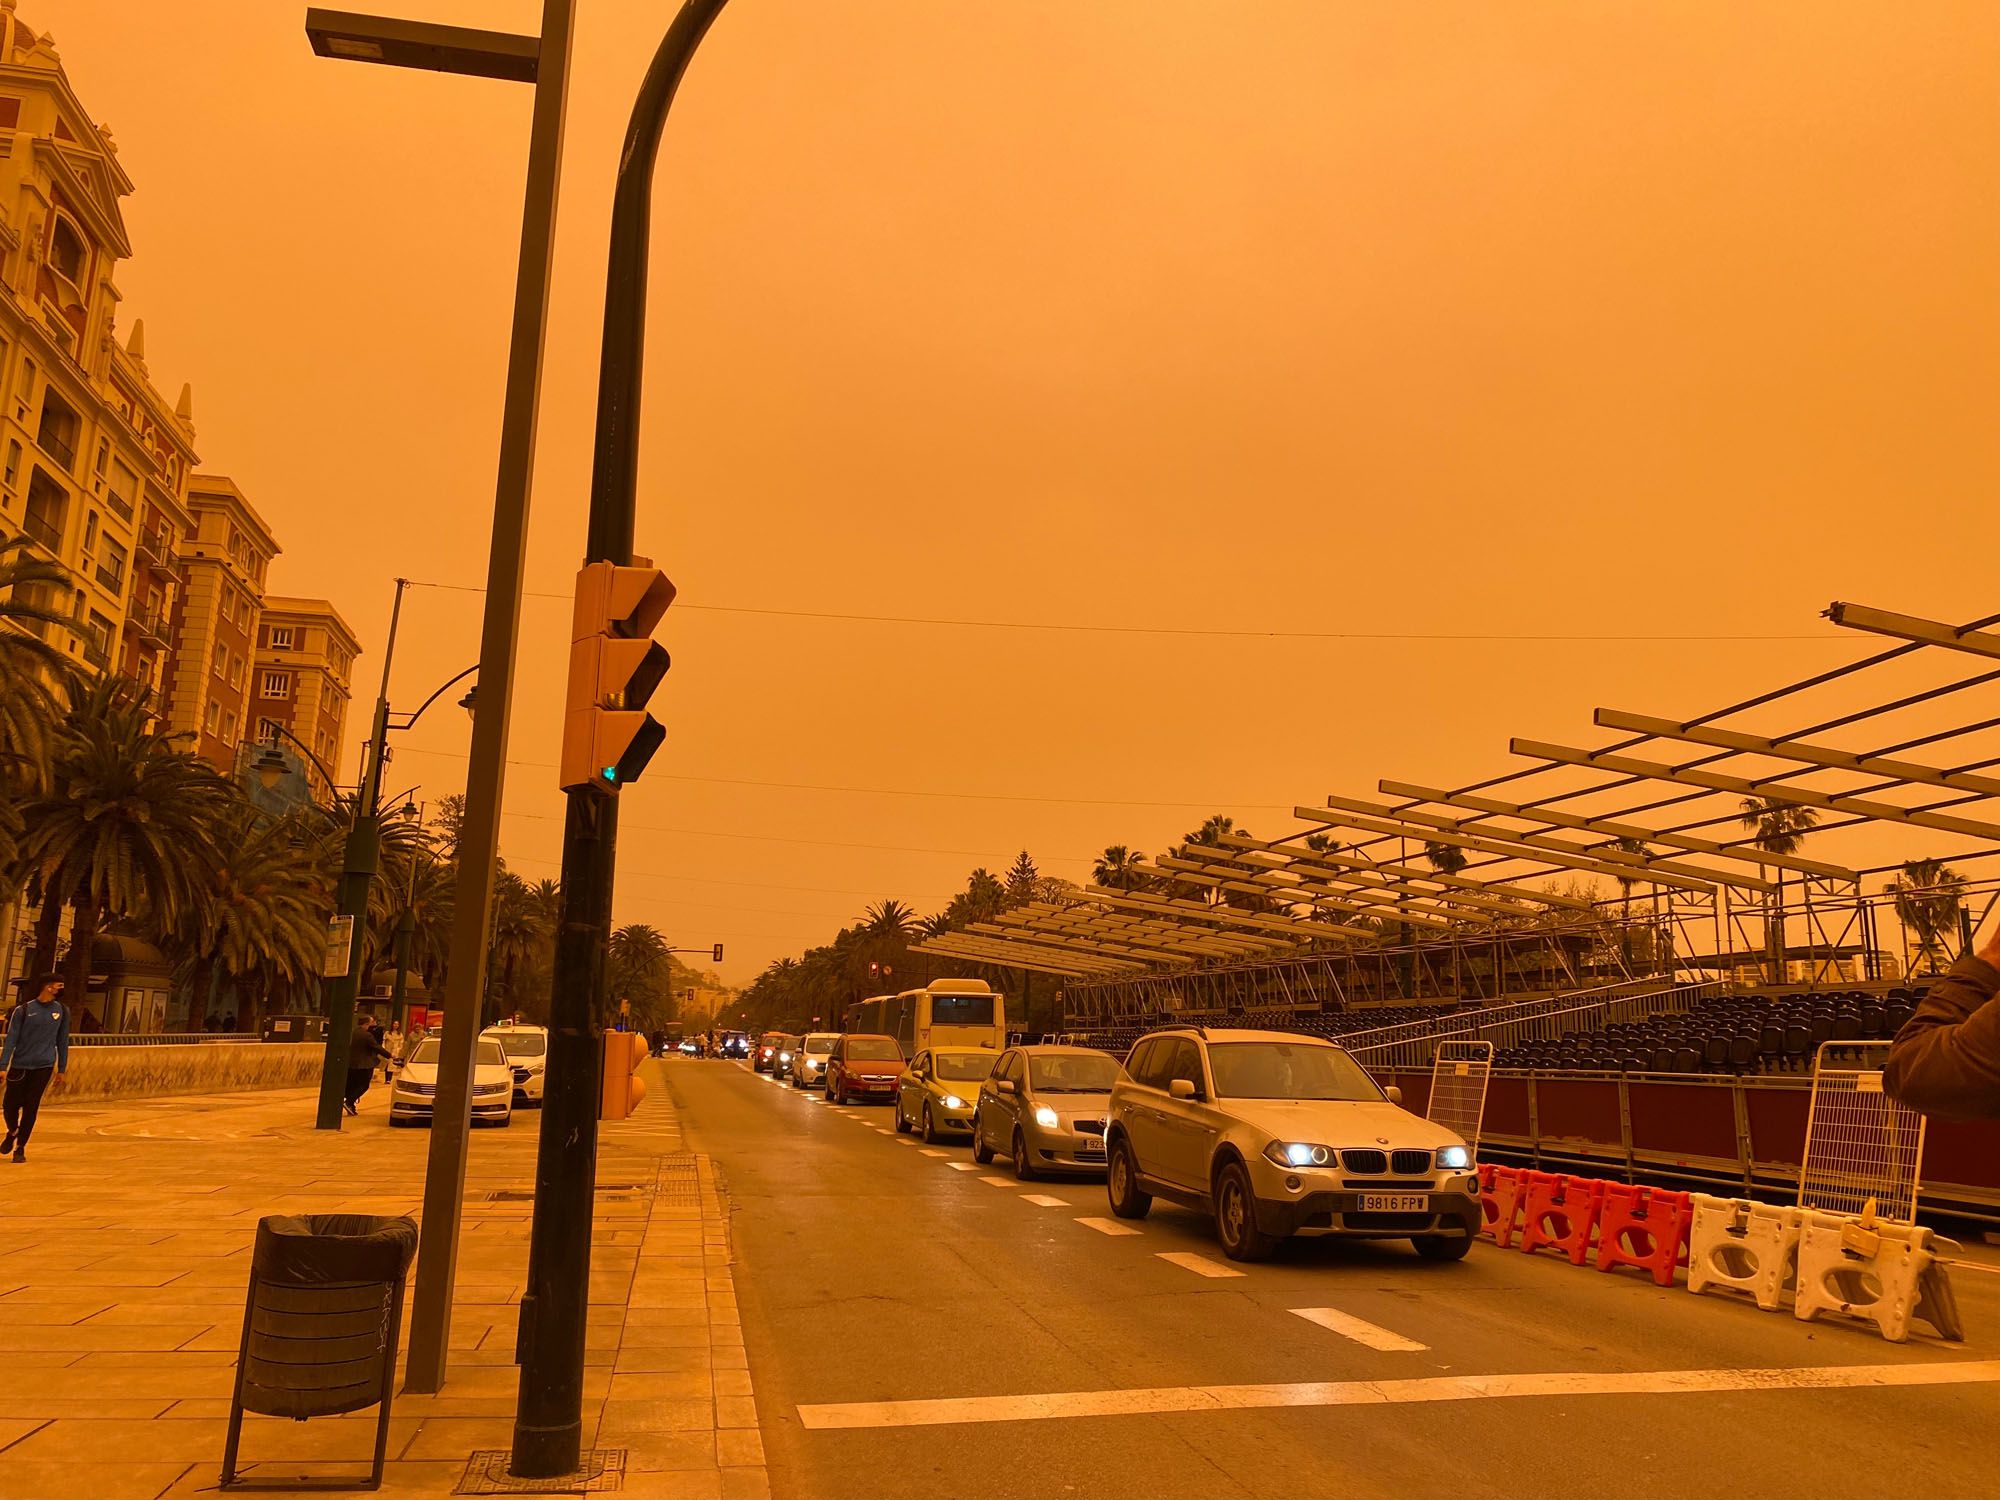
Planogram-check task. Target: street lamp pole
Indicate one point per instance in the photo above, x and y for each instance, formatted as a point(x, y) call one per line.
point(548, 1421)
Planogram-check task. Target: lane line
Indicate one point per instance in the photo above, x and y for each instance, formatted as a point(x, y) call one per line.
point(1110, 1226)
point(1001, 1181)
point(963, 1166)
point(932, 1151)
point(1201, 1265)
point(1350, 1327)
point(1043, 1200)
point(1146, 1401)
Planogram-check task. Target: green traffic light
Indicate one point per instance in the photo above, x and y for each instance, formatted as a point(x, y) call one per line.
point(610, 773)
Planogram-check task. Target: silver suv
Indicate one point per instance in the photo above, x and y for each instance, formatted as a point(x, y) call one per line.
point(1278, 1134)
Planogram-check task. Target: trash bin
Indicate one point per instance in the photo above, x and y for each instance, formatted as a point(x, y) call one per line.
point(321, 1324)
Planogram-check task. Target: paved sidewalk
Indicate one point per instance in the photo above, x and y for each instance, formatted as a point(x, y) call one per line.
point(124, 1258)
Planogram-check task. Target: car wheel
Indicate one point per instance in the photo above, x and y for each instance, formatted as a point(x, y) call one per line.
point(1236, 1216)
point(1121, 1183)
point(929, 1131)
point(902, 1124)
point(1443, 1247)
point(1023, 1168)
point(981, 1152)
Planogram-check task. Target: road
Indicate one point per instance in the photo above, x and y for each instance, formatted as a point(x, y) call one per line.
point(882, 1284)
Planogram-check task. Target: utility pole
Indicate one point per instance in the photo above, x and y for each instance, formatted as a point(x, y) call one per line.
point(548, 1423)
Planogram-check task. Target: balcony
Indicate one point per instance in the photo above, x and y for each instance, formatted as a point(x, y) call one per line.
point(150, 626)
point(57, 446)
point(155, 548)
point(45, 529)
point(112, 578)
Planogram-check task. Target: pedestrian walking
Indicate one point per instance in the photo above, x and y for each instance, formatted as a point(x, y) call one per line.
point(1946, 1059)
point(364, 1054)
point(392, 1047)
point(36, 1054)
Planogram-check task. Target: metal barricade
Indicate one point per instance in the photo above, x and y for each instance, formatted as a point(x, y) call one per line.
point(1458, 1089)
point(1860, 1143)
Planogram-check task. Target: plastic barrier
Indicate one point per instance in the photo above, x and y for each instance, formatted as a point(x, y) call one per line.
point(1876, 1272)
point(1644, 1227)
point(1737, 1245)
point(1501, 1191)
point(1561, 1212)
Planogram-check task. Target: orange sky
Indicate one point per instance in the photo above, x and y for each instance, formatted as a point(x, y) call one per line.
point(1660, 318)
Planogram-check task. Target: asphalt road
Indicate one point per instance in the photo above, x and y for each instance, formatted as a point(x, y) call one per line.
point(873, 1276)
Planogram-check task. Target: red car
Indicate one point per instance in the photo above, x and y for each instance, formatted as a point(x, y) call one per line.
point(864, 1067)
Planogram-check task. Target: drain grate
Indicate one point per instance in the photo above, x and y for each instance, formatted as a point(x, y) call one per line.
point(678, 1181)
point(527, 1195)
point(602, 1471)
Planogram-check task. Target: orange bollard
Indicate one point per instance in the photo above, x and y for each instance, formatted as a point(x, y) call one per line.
point(1561, 1212)
point(1645, 1227)
point(1500, 1193)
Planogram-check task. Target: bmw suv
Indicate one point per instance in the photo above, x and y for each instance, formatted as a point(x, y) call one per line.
point(1278, 1134)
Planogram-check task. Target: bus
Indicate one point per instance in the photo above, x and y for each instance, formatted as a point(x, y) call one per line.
point(945, 1013)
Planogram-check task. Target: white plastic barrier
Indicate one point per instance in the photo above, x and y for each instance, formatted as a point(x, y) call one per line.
point(1737, 1245)
point(1877, 1272)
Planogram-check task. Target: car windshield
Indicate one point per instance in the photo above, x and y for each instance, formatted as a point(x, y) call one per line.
point(490, 1053)
point(819, 1044)
point(964, 1067)
point(522, 1043)
point(874, 1049)
point(1288, 1070)
point(1073, 1073)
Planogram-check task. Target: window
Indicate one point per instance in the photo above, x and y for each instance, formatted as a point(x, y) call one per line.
point(277, 685)
point(89, 533)
point(111, 572)
point(103, 456)
point(214, 719)
point(229, 725)
point(66, 251)
point(236, 665)
point(221, 660)
point(281, 637)
point(47, 504)
point(28, 374)
point(228, 604)
point(121, 487)
point(97, 639)
point(268, 730)
point(13, 462)
point(60, 430)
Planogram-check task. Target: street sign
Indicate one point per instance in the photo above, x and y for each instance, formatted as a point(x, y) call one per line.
point(339, 948)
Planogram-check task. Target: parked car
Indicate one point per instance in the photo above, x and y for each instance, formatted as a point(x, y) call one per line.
point(527, 1049)
point(863, 1065)
point(766, 1051)
point(1277, 1134)
point(809, 1059)
point(414, 1093)
point(1045, 1108)
point(938, 1090)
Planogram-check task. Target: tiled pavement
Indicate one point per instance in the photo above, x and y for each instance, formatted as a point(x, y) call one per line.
point(124, 1255)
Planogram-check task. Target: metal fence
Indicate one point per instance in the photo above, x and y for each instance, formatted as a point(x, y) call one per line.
point(1860, 1143)
point(161, 1038)
point(1414, 1044)
point(1458, 1088)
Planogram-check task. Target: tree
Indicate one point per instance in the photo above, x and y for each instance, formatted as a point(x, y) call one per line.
point(642, 973)
point(1021, 878)
point(1929, 898)
point(515, 935)
point(1117, 869)
point(1776, 828)
point(34, 675)
point(983, 899)
point(1446, 859)
point(261, 922)
point(1323, 843)
point(1627, 845)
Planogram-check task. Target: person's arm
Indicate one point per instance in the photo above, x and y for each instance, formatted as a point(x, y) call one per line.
point(7, 1048)
point(62, 1045)
point(1946, 1059)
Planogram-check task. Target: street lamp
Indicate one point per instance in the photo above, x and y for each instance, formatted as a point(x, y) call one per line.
point(543, 60)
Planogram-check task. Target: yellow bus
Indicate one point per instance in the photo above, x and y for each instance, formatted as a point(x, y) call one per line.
point(945, 1013)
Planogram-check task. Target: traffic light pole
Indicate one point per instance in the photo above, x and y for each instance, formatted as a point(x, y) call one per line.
point(548, 1423)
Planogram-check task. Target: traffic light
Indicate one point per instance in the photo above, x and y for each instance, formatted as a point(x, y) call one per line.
point(614, 665)
point(718, 954)
point(622, 1087)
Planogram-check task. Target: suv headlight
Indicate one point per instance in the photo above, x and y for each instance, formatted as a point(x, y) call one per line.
point(812, 1066)
point(952, 1101)
point(1047, 1118)
point(1455, 1158)
point(1300, 1154)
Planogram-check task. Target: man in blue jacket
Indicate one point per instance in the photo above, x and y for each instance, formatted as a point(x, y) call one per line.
point(36, 1053)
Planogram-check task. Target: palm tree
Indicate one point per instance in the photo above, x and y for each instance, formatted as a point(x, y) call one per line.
point(260, 921)
point(34, 675)
point(1323, 843)
point(514, 936)
point(1118, 869)
point(1636, 846)
point(891, 919)
point(1447, 859)
point(1776, 828)
point(1929, 898)
point(126, 825)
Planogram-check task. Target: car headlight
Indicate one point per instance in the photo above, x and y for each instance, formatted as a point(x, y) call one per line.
point(784, 1057)
point(812, 1067)
point(1299, 1154)
point(1047, 1118)
point(952, 1101)
point(1455, 1158)
point(491, 1088)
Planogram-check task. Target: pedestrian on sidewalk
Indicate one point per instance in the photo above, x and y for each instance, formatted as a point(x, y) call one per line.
point(36, 1053)
point(392, 1044)
point(364, 1054)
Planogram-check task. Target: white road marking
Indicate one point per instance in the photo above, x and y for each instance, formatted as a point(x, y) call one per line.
point(1201, 1265)
point(883, 1130)
point(933, 1151)
point(904, 1140)
point(1143, 1401)
point(1043, 1200)
point(963, 1166)
point(1000, 1181)
point(1110, 1226)
point(1350, 1327)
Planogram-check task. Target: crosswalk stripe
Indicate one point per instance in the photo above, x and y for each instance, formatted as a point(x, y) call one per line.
point(1000, 1181)
point(1350, 1327)
point(1110, 1226)
point(932, 1151)
point(1043, 1200)
point(1201, 1265)
point(963, 1166)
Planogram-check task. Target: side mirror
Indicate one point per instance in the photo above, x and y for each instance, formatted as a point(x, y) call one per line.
point(1005, 1086)
point(1395, 1094)
point(1181, 1088)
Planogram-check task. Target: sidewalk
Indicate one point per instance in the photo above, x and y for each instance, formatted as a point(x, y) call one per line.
point(124, 1256)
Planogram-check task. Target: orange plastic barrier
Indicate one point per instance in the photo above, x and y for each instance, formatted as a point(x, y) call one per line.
point(1644, 1227)
point(1500, 1197)
point(1561, 1212)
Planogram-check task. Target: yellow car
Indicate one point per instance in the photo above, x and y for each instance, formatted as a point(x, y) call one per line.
point(938, 1090)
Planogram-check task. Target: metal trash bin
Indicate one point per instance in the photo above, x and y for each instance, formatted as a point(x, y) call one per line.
point(321, 1324)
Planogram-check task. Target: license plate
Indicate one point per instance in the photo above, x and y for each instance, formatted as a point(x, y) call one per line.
point(1395, 1203)
point(1090, 1145)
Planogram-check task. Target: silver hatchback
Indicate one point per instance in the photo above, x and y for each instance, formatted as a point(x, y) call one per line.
point(1045, 1107)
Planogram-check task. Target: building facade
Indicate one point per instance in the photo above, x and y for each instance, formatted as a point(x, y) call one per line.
point(224, 560)
point(304, 666)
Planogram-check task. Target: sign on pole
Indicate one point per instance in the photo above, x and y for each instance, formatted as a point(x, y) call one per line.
point(339, 948)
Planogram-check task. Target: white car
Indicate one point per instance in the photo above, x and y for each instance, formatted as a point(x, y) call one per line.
point(415, 1091)
point(527, 1049)
point(807, 1068)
